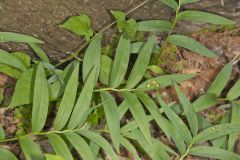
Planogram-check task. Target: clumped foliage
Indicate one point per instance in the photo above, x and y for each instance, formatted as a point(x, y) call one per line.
point(106, 89)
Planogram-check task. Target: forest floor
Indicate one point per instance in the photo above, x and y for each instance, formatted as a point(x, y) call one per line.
point(41, 18)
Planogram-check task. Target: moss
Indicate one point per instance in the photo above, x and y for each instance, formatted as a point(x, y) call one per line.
point(166, 54)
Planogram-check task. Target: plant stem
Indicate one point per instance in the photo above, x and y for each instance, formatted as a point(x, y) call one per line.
point(186, 153)
point(76, 53)
point(35, 134)
point(114, 89)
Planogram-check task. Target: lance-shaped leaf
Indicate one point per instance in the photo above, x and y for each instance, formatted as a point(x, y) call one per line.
point(84, 100)
point(205, 101)
point(190, 44)
point(234, 92)
point(40, 99)
point(219, 142)
point(141, 64)
point(23, 89)
point(59, 146)
point(139, 115)
point(221, 80)
point(120, 63)
point(11, 60)
point(176, 121)
point(80, 145)
point(170, 3)
point(215, 132)
point(200, 16)
point(188, 110)
point(7, 155)
point(125, 142)
point(40, 53)
point(122, 109)
point(154, 151)
point(162, 122)
point(30, 149)
point(163, 81)
point(16, 37)
point(112, 117)
point(92, 58)
point(154, 26)
point(68, 100)
point(235, 119)
point(96, 138)
point(137, 47)
point(211, 152)
point(57, 88)
point(105, 70)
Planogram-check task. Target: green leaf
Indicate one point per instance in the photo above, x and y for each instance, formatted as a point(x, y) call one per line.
point(59, 146)
point(200, 16)
point(95, 149)
point(141, 64)
point(30, 149)
point(40, 99)
point(105, 70)
point(170, 3)
point(130, 29)
point(120, 18)
point(235, 119)
point(68, 100)
point(2, 133)
point(122, 109)
point(190, 44)
point(129, 147)
point(219, 142)
point(205, 101)
point(80, 145)
point(23, 89)
point(188, 110)
point(215, 132)
point(96, 138)
point(11, 60)
point(92, 57)
point(7, 155)
point(154, 26)
point(132, 125)
point(179, 125)
point(13, 72)
point(57, 88)
point(40, 53)
point(188, 1)
point(120, 63)
point(163, 81)
point(154, 151)
point(211, 152)
point(139, 115)
point(16, 37)
point(10, 71)
point(80, 25)
point(52, 157)
point(221, 80)
point(137, 47)
point(83, 103)
point(234, 92)
point(26, 59)
point(112, 117)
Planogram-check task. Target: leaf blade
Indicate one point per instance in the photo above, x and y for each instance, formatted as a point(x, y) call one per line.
point(40, 99)
point(190, 44)
point(16, 37)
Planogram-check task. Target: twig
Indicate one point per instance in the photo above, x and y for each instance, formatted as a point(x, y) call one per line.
point(75, 54)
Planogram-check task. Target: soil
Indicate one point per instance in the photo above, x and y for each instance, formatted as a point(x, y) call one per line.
point(41, 19)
